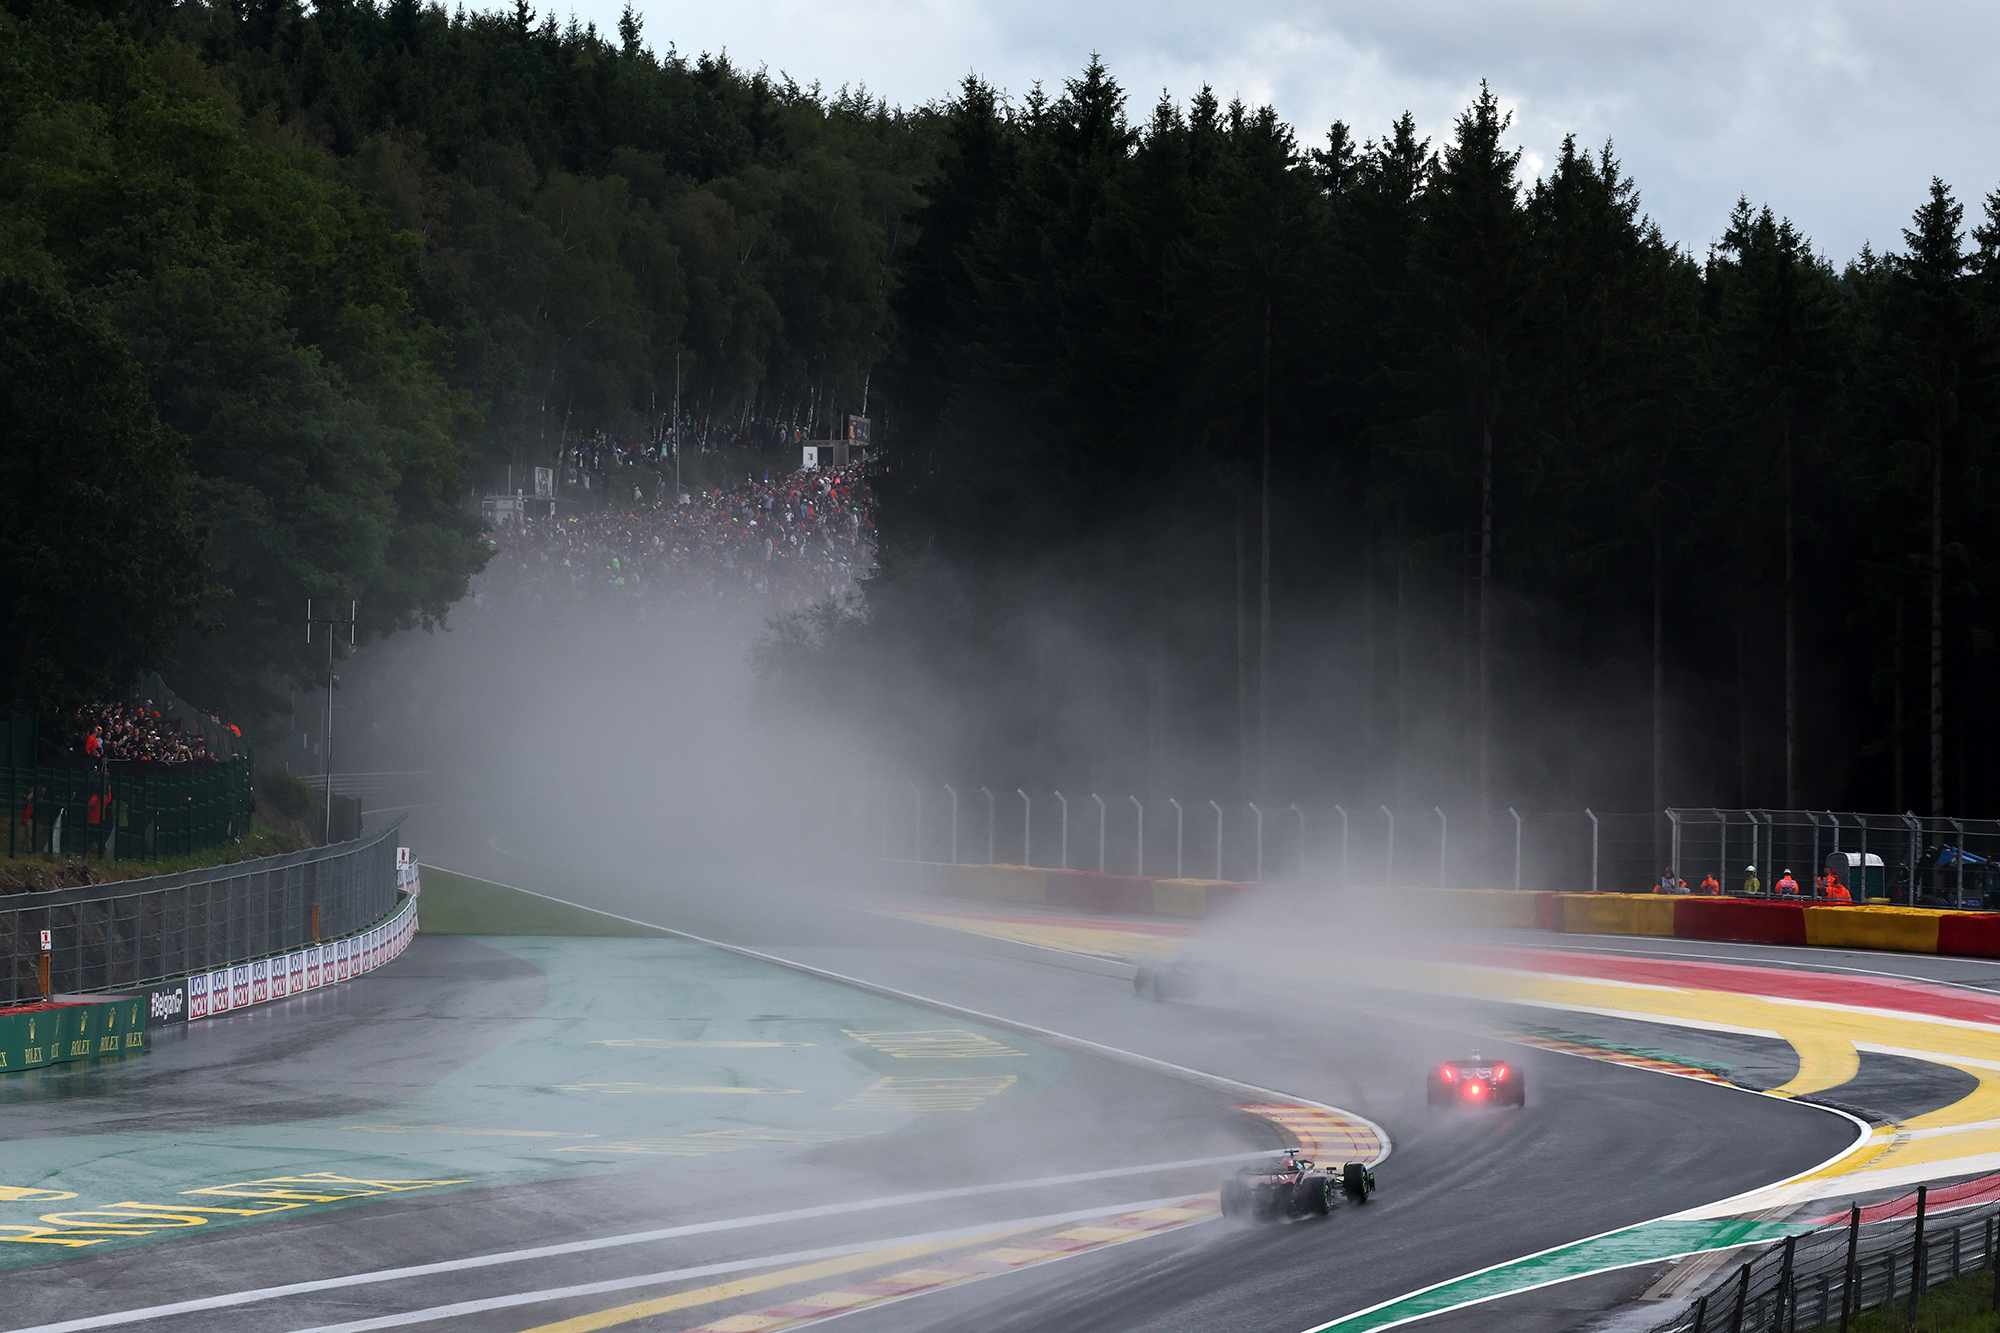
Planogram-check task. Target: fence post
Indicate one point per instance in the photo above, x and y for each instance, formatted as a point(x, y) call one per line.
point(1100, 831)
point(1517, 845)
point(989, 824)
point(1674, 818)
point(885, 819)
point(917, 828)
point(1850, 1275)
point(1784, 1298)
point(1302, 838)
point(1218, 838)
point(1063, 857)
point(1139, 805)
point(1389, 858)
point(1916, 849)
point(1593, 848)
point(1742, 1299)
point(1958, 894)
point(1343, 844)
point(1027, 828)
point(1180, 829)
point(1700, 1314)
point(1259, 876)
point(1721, 846)
point(1444, 835)
point(1918, 1267)
point(954, 821)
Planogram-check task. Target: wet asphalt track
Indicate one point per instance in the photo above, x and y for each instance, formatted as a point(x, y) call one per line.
point(1596, 1148)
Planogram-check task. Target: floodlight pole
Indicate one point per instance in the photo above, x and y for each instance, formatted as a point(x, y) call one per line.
point(353, 614)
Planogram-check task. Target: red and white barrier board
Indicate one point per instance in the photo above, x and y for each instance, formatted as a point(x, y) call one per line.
point(317, 965)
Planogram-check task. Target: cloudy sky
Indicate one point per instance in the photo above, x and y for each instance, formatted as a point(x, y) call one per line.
point(1836, 114)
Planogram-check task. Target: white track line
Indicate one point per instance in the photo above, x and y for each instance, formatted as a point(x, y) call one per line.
point(509, 1302)
point(613, 1242)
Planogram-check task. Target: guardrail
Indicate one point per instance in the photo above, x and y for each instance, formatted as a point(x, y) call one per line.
point(1885, 1256)
point(1907, 859)
point(135, 933)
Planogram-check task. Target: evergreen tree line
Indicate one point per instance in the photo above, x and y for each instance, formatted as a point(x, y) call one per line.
point(1369, 468)
point(1377, 470)
point(358, 262)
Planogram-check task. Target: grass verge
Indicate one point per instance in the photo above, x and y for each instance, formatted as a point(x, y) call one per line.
point(1964, 1305)
point(27, 874)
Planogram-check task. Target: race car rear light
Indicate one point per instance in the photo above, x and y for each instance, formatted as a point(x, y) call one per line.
point(1450, 1074)
point(1500, 1074)
point(1475, 1089)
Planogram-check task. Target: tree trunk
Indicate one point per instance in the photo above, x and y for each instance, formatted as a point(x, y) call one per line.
point(1466, 638)
point(1659, 671)
point(1242, 648)
point(1937, 624)
point(1896, 738)
point(1742, 705)
point(1402, 653)
point(1370, 693)
point(1791, 640)
point(1264, 577)
point(1485, 612)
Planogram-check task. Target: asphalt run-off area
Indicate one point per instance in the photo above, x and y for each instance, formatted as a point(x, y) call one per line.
point(910, 1114)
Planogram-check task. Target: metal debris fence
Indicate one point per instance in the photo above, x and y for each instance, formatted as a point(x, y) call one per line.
point(150, 815)
point(1884, 1257)
point(135, 933)
point(1904, 858)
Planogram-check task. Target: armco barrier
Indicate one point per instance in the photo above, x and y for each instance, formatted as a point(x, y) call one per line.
point(1001, 883)
point(1616, 914)
point(241, 985)
point(1745, 920)
point(1194, 898)
point(1969, 934)
point(1118, 895)
point(71, 1029)
point(1899, 929)
point(135, 933)
point(80, 1027)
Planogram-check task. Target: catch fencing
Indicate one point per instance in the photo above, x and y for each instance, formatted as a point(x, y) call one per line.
point(1903, 858)
point(126, 813)
point(135, 933)
point(1887, 1257)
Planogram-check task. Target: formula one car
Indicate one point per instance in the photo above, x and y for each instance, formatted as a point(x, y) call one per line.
point(1182, 979)
point(1476, 1081)
point(1293, 1187)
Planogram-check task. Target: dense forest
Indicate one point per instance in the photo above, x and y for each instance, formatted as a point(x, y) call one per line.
point(1358, 465)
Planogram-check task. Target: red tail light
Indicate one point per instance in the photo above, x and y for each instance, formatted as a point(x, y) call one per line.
point(1450, 1075)
point(1500, 1074)
point(1475, 1089)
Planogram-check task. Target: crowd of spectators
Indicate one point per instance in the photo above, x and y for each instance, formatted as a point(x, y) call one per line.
point(781, 543)
point(136, 730)
point(599, 452)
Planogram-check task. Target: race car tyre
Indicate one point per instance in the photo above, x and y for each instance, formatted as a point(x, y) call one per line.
point(1518, 1094)
point(1235, 1199)
point(1354, 1181)
point(1146, 983)
point(1316, 1195)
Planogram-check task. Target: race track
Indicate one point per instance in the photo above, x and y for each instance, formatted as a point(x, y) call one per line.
point(490, 1100)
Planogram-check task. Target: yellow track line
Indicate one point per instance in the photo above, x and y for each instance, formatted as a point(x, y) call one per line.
point(784, 1277)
